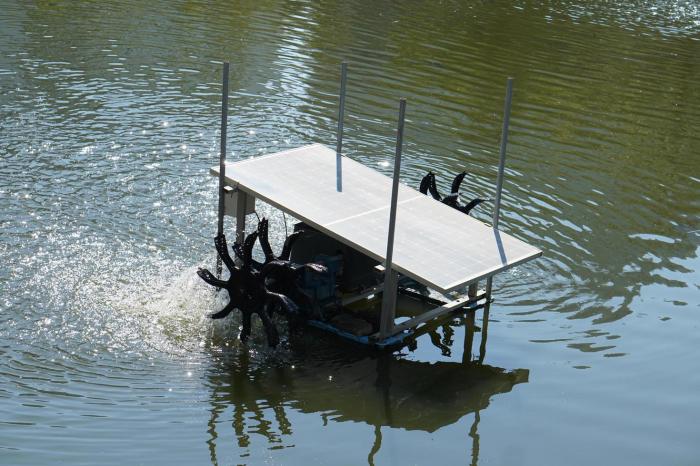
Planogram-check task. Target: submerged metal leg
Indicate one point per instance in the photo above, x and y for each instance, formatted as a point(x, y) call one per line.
point(489, 287)
point(241, 203)
point(468, 336)
point(386, 323)
point(484, 332)
point(469, 324)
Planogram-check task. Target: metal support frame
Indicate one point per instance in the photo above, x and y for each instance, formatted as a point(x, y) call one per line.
point(501, 170)
point(364, 294)
point(222, 160)
point(341, 115)
point(470, 302)
point(467, 303)
point(391, 277)
point(240, 215)
point(452, 306)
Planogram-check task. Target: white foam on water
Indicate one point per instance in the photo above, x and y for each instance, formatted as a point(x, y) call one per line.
point(114, 297)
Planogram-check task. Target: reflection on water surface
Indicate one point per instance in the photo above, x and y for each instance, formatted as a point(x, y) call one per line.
point(377, 389)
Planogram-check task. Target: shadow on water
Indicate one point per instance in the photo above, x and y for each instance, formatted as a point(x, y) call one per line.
point(380, 389)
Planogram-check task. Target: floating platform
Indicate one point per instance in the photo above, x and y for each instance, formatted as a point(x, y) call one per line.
point(410, 234)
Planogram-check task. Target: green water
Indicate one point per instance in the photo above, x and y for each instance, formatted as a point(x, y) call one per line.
point(109, 123)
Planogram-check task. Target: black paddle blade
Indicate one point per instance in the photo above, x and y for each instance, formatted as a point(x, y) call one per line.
point(424, 183)
point(473, 203)
point(209, 277)
point(264, 240)
point(433, 188)
point(288, 243)
point(224, 312)
point(457, 182)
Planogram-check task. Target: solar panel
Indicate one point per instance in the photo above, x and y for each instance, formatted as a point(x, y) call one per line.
point(434, 244)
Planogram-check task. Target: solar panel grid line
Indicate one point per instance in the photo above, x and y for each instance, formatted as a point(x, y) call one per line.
point(258, 158)
point(378, 209)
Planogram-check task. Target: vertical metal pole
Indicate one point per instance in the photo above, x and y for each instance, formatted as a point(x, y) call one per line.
point(241, 203)
point(489, 287)
point(341, 114)
point(222, 160)
point(501, 169)
point(469, 327)
point(502, 155)
point(386, 323)
point(473, 290)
